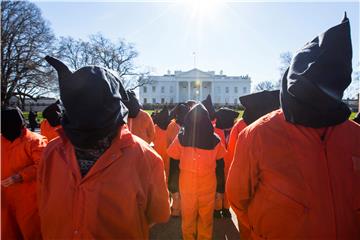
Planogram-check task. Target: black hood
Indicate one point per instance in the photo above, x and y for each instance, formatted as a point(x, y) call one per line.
point(198, 131)
point(12, 122)
point(52, 113)
point(179, 112)
point(92, 97)
point(259, 104)
point(313, 86)
point(209, 107)
point(225, 118)
point(162, 118)
point(133, 104)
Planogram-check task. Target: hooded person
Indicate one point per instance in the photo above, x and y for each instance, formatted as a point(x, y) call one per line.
point(179, 113)
point(197, 171)
point(256, 105)
point(162, 120)
point(21, 150)
point(295, 173)
point(209, 107)
point(225, 119)
point(32, 120)
point(51, 122)
point(110, 183)
point(139, 122)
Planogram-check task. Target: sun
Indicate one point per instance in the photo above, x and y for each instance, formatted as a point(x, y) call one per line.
point(203, 8)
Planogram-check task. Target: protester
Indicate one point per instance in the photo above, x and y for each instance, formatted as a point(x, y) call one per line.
point(51, 122)
point(20, 156)
point(295, 173)
point(162, 120)
point(225, 119)
point(32, 120)
point(97, 180)
point(172, 131)
point(197, 170)
point(210, 108)
point(140, 122)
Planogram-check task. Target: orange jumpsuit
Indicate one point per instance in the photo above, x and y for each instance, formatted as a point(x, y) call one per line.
point(160, 146)
point(48, 131)
point(19, 212)
point(121, 195)
point(197, 184)
point(236, 129)
point(142, 126)
point(289, 182)
point(172, 131)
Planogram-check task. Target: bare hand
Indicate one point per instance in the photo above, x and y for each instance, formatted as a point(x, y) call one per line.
point(7, 182)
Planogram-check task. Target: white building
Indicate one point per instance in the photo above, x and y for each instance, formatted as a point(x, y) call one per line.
point(196, 85)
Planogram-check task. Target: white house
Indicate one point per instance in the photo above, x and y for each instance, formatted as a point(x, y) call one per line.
point(196, 85)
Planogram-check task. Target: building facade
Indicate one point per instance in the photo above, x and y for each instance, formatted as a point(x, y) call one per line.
point(196, 85)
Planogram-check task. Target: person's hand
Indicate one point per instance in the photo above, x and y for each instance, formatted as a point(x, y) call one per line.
point(7, 182)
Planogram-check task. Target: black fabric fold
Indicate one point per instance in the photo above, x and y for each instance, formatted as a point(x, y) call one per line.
point(198, 131)
point(259, 104)
point(225, 118)
point(313, 85)
point(174, 174)
point(93, 99)
point(220, 176)
point(209, 107)
point(52, 114)
point(162, 118)
point(12, 123)
point(133, 104)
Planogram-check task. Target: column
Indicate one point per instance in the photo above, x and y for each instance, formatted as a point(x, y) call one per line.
point(201, 91)
point(189, 83)
point(177, 88)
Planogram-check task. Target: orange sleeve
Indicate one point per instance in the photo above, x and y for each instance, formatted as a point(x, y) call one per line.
point(150, 130)
point(34, 149)
point(232, 140)
point(242, 178)
point(158, 206)
point(42, 127)
point(221, 151)
point(174, 150)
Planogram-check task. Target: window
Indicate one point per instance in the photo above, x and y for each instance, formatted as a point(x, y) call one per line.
point(153, 88)
point(145, 101)
point(226, 89)
point(218, 90)
point(235, 89)
point(162, 100)
point(154, 100)
point(144, 89)
point(235, 100)
point(162, 89)
point(226, 100)
point(244, 89)
point(171, 89)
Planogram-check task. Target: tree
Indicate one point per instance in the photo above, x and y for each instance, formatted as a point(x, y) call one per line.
point(25, 39)
point(264, 85)
point(99, 50)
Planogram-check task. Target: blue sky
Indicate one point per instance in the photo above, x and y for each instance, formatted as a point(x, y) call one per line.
point(238, 37)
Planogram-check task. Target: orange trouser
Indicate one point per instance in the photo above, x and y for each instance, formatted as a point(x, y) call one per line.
point(197, 215)
point(20, 220)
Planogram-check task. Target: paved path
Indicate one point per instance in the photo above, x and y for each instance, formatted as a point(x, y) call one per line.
point(223, 229)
